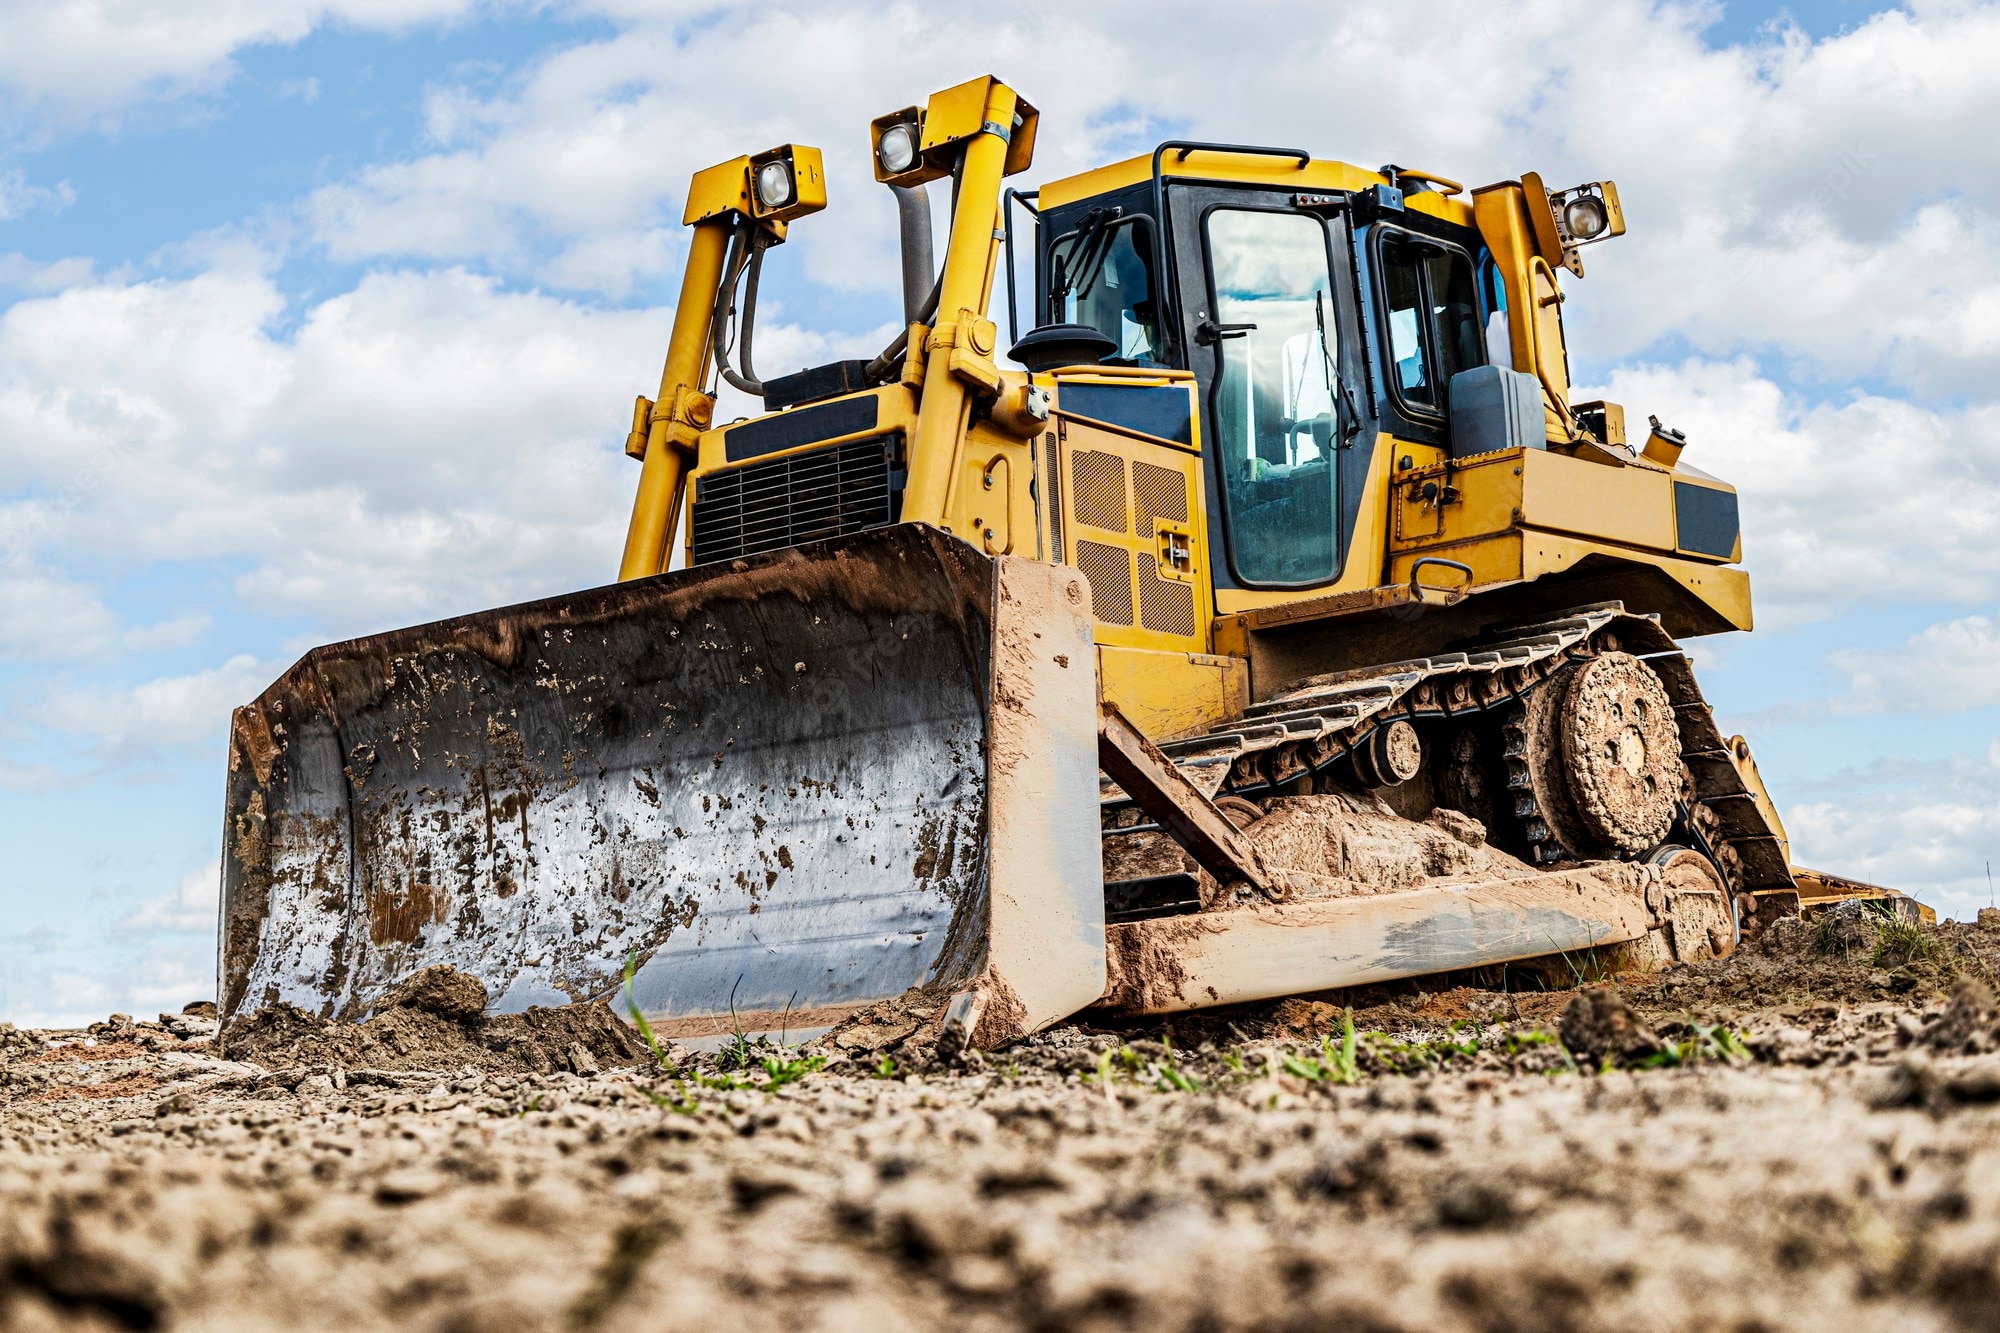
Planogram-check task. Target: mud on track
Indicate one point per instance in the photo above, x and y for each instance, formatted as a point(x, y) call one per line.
point(1828, 1156)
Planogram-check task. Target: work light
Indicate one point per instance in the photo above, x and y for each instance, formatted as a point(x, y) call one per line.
point(1586, 218)
point(774, 184)
point(898, 149)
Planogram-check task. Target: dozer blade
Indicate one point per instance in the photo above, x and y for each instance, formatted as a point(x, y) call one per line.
point(787, 788)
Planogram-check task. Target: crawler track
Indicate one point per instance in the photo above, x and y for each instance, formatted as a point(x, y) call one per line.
point(1311, 728)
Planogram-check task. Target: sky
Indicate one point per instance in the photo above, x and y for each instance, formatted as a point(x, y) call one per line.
point(319, 317)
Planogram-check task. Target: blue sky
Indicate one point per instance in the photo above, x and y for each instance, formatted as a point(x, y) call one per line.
point(321, 316)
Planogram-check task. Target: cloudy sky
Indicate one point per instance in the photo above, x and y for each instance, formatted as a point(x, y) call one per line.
point(322, 316)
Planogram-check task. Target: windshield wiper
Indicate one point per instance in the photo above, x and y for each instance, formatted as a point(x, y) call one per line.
point(1351, 426)
point(1087, 255)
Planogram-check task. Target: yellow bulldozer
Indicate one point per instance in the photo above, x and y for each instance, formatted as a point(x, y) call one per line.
point(1282, 625)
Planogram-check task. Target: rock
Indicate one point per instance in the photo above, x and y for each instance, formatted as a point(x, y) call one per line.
point(1309, 1018)
point(200, 1009)
point(408, 1185)
point(444, 991)
point(1461, 826)
point(1978, 1085)
point(1598, 1025)
point(1472, 1205)
point(1970, 1022)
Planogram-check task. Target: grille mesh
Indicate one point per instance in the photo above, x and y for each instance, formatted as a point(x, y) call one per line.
point(1164, 605)
point(1109, 569)
point(1163, 494)
point(797, 498)
point(1053, 496)
point(1100, 490)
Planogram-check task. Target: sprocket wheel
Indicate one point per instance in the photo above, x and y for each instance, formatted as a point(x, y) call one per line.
point(1598, 759)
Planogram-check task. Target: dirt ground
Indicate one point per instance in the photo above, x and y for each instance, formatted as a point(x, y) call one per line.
point(1805, 1135)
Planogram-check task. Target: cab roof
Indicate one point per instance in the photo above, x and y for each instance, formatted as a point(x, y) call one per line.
point(1261, 168)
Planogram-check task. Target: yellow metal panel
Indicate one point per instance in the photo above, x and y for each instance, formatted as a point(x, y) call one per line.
point(1634, 506)
point(1129, 508)
point(722, 188)
point(1168, 695)
point(895, 411)
point(956, 113)
point(995, 508)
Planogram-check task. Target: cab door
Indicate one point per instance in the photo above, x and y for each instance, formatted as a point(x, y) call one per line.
point(1271, 329)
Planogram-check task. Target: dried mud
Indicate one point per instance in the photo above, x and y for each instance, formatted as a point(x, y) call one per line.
point(1806, 1134)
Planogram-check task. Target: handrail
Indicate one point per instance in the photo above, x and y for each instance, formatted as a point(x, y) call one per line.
point(1181, 148)
point(1007, 225)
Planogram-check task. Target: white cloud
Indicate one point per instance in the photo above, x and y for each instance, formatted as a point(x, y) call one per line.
point(1928, 828)
point(188, 908)
point(19, 271)
point(1948, 667)
point(1836, 199)
point(163, 713)
point(79, 59)
point(17, 196)
point(425, 443)
point(45, 617)
point(1870, 500)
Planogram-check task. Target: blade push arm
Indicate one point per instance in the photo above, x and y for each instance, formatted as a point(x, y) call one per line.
point(763, 192)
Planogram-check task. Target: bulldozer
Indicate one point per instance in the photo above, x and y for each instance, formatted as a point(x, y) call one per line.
point(1272, 620)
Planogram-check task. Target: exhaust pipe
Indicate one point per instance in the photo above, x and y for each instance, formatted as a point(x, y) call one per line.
point(913, 222)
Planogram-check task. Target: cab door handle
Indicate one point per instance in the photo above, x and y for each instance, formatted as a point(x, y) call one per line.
point(1208, 333)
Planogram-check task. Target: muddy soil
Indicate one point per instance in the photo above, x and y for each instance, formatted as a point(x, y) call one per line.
point(1806, 1135)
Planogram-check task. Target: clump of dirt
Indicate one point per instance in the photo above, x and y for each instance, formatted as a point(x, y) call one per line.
point(437, 1020)
point(1599, 1025)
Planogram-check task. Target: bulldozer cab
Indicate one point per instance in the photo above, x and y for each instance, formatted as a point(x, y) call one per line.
point(1310, 320)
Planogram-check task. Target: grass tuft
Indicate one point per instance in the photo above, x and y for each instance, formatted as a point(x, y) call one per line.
point(1899, 941)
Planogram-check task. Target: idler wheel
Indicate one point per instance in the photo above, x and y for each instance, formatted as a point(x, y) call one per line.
point(1698, 907)
point(1389, 757)
point(1603, 757)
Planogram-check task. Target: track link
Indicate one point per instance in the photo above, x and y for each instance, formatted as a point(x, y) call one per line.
point(1318, 722)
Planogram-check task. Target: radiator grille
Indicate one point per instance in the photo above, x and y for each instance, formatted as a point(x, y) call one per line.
point(1109, 569)
point(1163, 494)
point(1100, 490)
point(798, 498)
point(1164, 605)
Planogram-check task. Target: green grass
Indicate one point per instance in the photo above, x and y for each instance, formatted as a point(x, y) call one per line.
point(1706, 1042)
point(1898, 941)
point(1334, 1064)
point(777, 1064)
point(1828, 939)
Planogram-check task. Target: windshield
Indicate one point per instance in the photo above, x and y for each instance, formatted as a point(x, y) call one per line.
point(1104, 278)
point(1276, 423)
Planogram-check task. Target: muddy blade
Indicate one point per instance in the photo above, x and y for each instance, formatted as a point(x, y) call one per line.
point(789, 787)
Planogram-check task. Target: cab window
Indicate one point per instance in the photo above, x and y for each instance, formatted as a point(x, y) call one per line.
point(1102, 275)
point(1499, 334)
point(1273, 404)
point(1431, 308)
